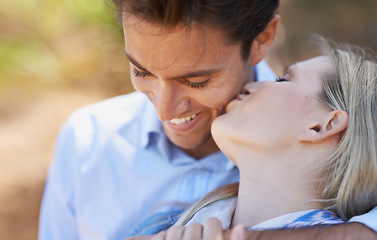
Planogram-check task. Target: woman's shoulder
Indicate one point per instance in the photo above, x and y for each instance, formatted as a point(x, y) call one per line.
point(221, 209)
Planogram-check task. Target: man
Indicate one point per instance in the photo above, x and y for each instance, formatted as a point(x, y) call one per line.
point(125, 158)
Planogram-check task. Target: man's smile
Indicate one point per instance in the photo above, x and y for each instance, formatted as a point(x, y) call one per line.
point(179, 121)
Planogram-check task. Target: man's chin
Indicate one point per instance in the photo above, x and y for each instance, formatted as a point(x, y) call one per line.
point(184, 144)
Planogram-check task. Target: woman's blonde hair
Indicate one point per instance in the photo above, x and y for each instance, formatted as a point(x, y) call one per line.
point(350, 178)
point(224, 192)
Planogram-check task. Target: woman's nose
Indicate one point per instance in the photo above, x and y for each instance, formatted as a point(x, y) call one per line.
point(246, 90)
point(252, 87)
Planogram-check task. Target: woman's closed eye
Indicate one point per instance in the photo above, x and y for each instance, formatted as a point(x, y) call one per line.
point(280, 79)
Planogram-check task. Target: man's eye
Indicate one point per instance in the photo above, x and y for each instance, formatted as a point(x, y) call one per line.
point(280, 79)
point(194, 84)
point(138, 73)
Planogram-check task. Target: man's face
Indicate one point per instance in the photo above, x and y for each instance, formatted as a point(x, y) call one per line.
point(188, 74)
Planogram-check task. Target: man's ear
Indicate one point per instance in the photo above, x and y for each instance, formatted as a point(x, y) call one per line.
point(263, 41)
point(334, 123)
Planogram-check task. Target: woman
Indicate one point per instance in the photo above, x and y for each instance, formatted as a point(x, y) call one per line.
point(306, 147)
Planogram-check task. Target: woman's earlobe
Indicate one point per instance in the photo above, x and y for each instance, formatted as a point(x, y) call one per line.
point(335, 123)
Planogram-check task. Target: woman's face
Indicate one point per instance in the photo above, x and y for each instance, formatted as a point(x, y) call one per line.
point(270, 115)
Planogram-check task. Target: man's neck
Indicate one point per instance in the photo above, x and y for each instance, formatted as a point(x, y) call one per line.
point(204, 150)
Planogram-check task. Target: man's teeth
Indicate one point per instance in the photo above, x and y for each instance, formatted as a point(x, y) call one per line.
point(178, 121)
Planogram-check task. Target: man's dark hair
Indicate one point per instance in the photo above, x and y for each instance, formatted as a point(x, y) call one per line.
point(240, 20)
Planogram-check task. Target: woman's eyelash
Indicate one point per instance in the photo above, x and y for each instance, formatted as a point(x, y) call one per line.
point(280, 79)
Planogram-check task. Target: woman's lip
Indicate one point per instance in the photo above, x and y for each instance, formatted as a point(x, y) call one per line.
point(187, 126)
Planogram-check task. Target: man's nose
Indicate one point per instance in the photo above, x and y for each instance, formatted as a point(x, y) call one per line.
point(169, 101)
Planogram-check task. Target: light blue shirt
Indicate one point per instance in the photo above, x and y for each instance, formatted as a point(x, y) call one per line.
point(113, 166)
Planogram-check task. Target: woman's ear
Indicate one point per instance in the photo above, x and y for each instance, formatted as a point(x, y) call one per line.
point(334, 123)
point(263, 41)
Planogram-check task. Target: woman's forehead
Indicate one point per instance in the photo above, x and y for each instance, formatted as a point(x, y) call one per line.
point(313, 66)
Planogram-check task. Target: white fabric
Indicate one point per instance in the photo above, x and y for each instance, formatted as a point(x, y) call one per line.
point(368, 219)
point(224, 210)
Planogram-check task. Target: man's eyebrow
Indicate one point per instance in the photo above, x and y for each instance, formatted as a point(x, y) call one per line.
point(134, 62)
point(199, 73)
point(194, 74)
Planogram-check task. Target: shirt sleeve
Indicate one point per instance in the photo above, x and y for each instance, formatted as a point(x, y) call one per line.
point(368, 219)
point(57, 214)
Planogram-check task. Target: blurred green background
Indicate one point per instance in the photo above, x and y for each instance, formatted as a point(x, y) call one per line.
point(56, 56)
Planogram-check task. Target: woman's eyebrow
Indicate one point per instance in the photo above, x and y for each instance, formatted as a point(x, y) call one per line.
point(288, 67)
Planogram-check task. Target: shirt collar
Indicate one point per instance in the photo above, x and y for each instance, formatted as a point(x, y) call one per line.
point(152, 133)
point(142, 123)
point(151, 126)
point(263, 72)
